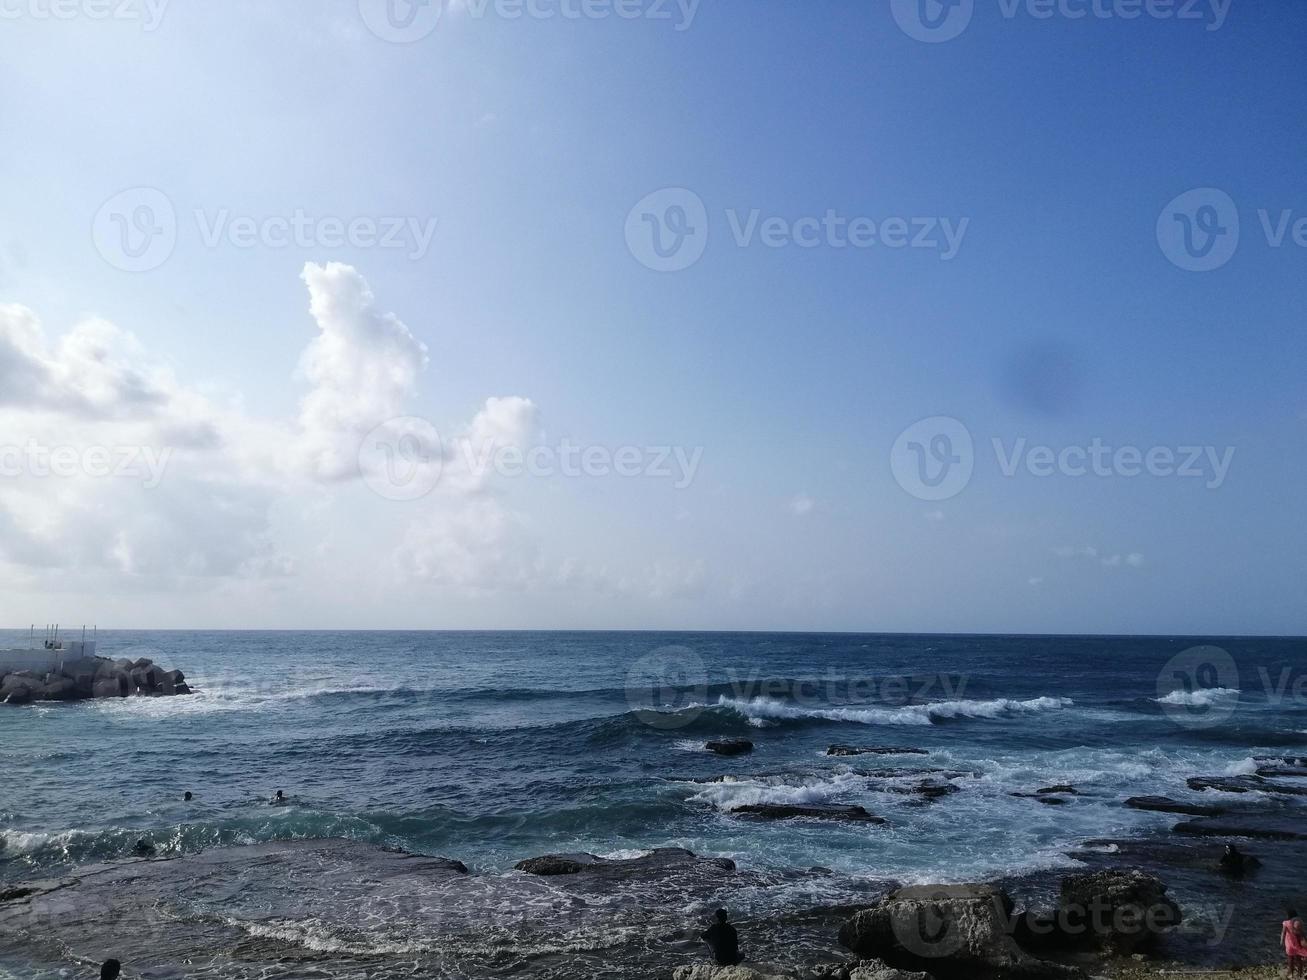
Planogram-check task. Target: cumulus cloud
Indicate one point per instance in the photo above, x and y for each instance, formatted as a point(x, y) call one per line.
point(801, 505)
point(363, 367)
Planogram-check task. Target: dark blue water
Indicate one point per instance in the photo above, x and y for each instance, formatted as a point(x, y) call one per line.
point(492, 747)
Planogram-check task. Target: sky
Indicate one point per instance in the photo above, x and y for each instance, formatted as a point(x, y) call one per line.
point(825, 315)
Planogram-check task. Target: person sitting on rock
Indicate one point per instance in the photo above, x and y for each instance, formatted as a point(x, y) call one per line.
point(110, 969)
point(723, 940)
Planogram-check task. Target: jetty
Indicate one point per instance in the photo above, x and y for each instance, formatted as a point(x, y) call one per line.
point(70, 670)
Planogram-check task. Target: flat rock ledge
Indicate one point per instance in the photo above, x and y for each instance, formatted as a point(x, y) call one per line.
point(92, 677)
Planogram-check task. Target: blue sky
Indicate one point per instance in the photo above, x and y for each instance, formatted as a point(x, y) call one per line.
point(1055, 142)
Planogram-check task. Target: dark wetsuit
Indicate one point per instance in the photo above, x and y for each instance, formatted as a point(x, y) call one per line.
point(725, 943)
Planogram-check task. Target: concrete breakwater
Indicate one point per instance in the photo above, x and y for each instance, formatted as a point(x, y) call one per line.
point(83, 678)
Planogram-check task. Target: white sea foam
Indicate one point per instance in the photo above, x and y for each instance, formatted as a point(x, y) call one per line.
point(1204, 698)
point(763, 711)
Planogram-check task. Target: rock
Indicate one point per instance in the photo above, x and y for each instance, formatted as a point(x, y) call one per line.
point(182, 689)
point(710, 971)
point(1244, 784)
point(1046, 799)
point(1261, 826)
point(1164, 804)
point(873, 750)
point(171, 681)
point(816, 811)
point(142, 663)
point(902, 772)
point(729, 746)
point(552, 864)
point(880, 970)
point(926, 790)
point(1068, 790)
point(1297, 761)
point(18, 695)
point(116, 686)
point(1115, 911)
point(13, 894)
point(61, 689)
point(950, 931)
point(1235, 863)
point(657, 860)
point(1296, 772)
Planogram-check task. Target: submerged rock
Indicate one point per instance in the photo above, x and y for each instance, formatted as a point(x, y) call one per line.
point(1243, 784)
point(1267, 826)
point(729, 746)
point(659, 859)
point(816, 811)
point(874, 750)
point(710, 971)
point(1164, 804)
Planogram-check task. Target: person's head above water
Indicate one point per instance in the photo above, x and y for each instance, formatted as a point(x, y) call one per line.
point(721, 915)
point(110, 969)
point(189, 796)
point(281, 795)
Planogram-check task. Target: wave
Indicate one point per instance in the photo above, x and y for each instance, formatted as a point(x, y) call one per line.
point(1204, 698)
point(761, 712)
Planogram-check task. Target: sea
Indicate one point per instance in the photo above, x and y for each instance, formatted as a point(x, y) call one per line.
point(489, 748)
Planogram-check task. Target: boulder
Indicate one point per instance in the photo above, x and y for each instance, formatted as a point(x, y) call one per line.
point(949, 931)
point(17, 695)
point(115, 686)
point(873, 750)
point(729, 746)
point(658, 861)
point(1115, 911)
point(143, 662)
point(817, 811)
point(61, 689)
point(1060, 788)
point(927, 790)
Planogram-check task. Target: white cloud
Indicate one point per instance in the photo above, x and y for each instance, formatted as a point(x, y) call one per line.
point(801, 505)
point(363, 367)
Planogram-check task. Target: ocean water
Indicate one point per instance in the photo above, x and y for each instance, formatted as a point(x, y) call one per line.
point(493, 747)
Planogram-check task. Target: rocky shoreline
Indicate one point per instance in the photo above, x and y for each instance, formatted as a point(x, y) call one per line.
point(92, 677)
point(1135, 907)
